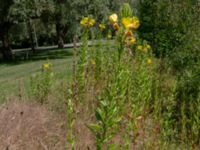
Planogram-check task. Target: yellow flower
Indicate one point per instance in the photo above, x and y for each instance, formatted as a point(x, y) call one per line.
point(148, 46)
point(131, 23)
point(87, 22)
point(116, 26)
point(46, 66)
point(93, 62)
point(84, 21)
point(113, 18)
point(136, 22)
point(102, 26)
point(140, 47)
point(130, 40)
point(145, 49)
point(91, 22)
point(149, 61)
point(109, 36)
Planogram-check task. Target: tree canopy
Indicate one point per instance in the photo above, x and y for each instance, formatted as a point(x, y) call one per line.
point(57, 21)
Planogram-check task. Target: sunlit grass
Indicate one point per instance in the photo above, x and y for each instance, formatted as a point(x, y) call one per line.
point(12, 76)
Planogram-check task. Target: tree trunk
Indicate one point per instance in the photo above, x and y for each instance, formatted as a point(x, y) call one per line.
point(30, 31)
point(35, 36)
point(6, 49)
point(60, 35)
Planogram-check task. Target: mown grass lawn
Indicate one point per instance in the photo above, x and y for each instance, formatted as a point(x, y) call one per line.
point(14, 75)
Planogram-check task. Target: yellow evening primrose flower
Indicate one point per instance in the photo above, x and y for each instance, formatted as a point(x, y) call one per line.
point(149, 61)
point(131, 23)
point(93, 62)
point(109, 35)
point(130, 40)
point(87, 22)
point(139, 47)
point(91, 22)
point(102, 26)
point(46, 66)
point(113, 18)
point(146, 48)
point(84, 21)
point(136, 22)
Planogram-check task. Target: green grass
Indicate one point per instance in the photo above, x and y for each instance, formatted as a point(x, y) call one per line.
point(16, 74)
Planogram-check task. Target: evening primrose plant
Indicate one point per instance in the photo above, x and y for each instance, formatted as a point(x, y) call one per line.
point(87, 23)
point(40, 83)
point(118, 74)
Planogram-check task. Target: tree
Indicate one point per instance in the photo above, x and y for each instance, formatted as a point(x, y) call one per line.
point(60, 14)
point(5, 24)
point(12, 12)
point(28, 11)
point(67, 14)
point(164, 22)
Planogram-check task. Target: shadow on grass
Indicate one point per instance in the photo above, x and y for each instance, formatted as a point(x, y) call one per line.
point(50, 54)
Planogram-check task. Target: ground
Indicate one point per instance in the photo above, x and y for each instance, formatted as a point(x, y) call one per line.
point(30, 126)
point(27, 125)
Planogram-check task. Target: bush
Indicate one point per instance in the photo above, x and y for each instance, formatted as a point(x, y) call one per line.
point(165, 24)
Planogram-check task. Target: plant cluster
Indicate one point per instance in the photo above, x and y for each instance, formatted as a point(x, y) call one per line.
point(124, 86)
point(40, 83)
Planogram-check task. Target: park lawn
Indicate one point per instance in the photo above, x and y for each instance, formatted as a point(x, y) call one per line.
point(15, 77)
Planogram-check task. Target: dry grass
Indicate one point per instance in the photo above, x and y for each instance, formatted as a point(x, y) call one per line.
point(30, 126)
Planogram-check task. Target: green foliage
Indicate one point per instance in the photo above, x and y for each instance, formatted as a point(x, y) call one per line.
point(22, 10)
point(132, 86)
point(122, 87)
point(63, 16)
point(107, 120)
point(70, 120)
point(4, 9)
point(164, 23)
point(173, 30)
point(186, 109)
point(126, 10)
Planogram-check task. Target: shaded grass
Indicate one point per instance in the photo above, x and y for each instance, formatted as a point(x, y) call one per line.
point(14, 75)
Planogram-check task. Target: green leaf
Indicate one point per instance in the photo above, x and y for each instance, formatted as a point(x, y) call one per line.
point(112, 147)
point(100, 115)
point(95, 128)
